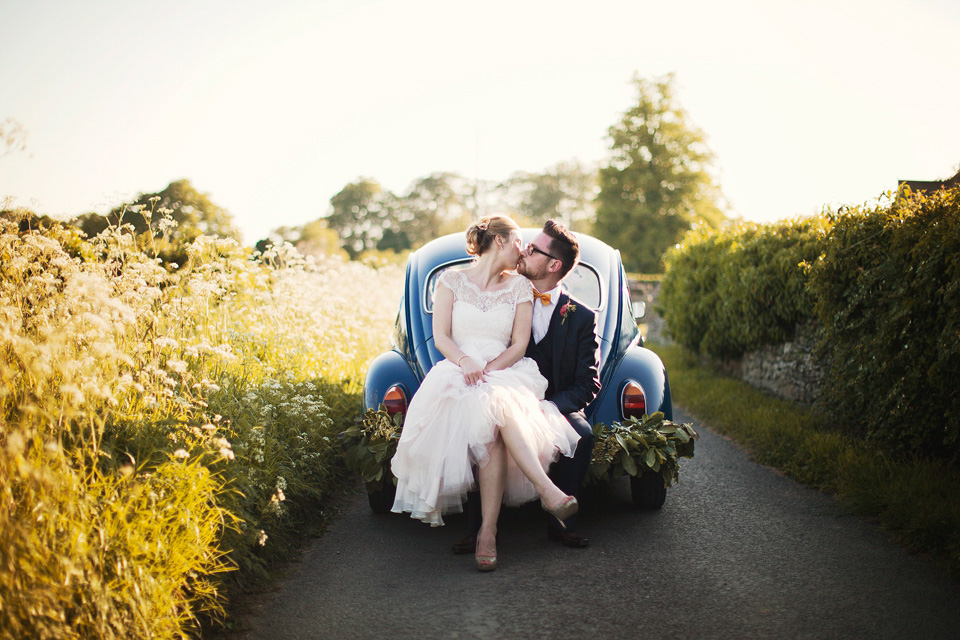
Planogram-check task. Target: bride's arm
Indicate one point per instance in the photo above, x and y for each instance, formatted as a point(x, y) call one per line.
point(443, 335)
point(518, 340)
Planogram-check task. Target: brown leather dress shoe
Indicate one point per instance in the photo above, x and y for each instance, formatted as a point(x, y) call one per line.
point(467, 545)
point(568, 538)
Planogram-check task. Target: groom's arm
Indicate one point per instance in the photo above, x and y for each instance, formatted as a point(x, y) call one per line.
point(586, 378)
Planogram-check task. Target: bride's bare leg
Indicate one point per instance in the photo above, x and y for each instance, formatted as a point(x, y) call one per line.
point(526, 459)
point(493, 477)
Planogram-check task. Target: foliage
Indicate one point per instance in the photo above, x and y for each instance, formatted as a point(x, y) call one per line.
point(314, 238)
point(657, 184)
point(887, 291)
point(627, 448)
point(160, 426)
point(882, 285)
point(359, 213)
point(636, 445)
point(916, 500)
point(369, 445)
point(150, 214)
point(368, 217)
point(434, 205)
point(102, 554)
point(563, 192)
point(726, 292)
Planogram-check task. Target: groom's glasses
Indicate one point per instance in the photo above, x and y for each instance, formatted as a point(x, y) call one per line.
point(532, 249)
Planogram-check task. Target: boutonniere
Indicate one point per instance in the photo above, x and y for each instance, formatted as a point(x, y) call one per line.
point(566, 310)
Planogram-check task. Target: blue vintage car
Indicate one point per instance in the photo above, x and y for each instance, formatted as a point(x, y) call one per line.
point(633, 378)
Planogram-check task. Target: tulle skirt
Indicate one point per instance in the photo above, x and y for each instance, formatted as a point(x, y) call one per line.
point(450, 425)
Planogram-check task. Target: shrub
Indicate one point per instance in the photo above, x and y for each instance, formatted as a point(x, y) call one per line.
point(728, 292)
point(888, 299)
point(882, 284)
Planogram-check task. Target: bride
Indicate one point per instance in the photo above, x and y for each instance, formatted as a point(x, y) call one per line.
point(482, 407)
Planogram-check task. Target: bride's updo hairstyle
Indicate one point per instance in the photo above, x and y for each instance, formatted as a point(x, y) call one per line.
point(480, 234)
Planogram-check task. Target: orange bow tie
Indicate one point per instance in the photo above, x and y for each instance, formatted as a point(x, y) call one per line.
point(542, 297)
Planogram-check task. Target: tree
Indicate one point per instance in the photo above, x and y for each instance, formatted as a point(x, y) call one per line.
point(311, 239)
point(193, 211)
point(564, 192)
point(434, 205)
point(657, 185)
point(359, 213)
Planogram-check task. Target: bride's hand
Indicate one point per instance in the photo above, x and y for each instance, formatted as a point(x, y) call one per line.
point(472, 372)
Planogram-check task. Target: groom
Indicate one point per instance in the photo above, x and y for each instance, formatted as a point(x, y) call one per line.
point(565, 347)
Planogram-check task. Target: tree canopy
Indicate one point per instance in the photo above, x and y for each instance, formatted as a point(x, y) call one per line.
point(657, 184)
point(194, 213)
point(366, 216)
point(563, 192)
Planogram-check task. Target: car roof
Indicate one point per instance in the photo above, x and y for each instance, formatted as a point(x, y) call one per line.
point(453, 247)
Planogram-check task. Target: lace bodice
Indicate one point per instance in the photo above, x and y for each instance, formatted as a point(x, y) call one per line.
point(479, 314)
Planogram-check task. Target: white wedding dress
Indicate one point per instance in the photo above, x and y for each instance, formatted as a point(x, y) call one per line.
point(449, 425)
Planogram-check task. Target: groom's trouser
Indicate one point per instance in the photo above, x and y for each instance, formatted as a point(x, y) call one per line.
point(567, 473)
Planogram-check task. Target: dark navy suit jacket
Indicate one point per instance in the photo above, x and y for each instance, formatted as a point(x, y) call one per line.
point(573, 380)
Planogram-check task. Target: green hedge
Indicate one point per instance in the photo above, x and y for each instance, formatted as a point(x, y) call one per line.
point(882, 284)
point(728, 292)
point(887, 292)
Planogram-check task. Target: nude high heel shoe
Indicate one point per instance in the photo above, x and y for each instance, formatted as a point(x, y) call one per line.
point(484, 563)
point(564, 510)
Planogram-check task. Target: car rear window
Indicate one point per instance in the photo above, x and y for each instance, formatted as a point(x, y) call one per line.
point(582, 283)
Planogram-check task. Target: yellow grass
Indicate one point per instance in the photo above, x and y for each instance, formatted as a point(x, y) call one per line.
point(156, 419)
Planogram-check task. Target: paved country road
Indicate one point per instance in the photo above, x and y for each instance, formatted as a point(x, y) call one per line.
point(738, 551)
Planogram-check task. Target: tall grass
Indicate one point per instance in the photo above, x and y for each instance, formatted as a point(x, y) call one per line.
point(160, 423)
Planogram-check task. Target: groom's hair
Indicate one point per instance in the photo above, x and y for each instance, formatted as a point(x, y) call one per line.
point(563, 245)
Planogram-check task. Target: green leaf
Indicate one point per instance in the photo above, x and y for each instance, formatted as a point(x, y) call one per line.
point(651, 457)
point(620, 441)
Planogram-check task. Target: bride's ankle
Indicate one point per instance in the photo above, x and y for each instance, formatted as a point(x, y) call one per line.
point(487, 533)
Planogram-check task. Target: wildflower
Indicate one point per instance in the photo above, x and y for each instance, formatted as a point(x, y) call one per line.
point(224, 447)
point(181, 454)
point(177, 366)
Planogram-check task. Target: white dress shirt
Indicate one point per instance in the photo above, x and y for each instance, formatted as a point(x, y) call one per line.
point(542, 314)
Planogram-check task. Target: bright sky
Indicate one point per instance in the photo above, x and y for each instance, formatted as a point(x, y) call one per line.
point(273, 107)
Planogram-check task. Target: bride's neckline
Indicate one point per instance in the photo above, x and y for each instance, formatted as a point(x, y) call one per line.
point(503, 285)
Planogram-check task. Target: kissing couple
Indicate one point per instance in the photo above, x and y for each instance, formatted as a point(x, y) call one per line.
point(501, 419)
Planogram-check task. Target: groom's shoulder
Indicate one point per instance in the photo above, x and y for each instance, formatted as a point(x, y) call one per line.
point(581, 308)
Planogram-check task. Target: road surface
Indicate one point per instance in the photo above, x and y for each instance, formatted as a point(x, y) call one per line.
point(738, 551)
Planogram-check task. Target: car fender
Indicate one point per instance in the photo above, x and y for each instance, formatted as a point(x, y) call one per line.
point(388, 369)
point(640, 364)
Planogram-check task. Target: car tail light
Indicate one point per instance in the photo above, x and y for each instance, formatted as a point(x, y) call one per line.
point(395, 400)
point(632, 402)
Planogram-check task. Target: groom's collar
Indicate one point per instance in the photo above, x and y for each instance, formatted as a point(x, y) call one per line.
point(555, 292)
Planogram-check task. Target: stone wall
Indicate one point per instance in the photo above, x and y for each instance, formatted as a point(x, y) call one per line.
point(787, 370)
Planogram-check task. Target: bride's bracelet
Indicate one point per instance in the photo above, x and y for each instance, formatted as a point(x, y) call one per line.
point(461, 358)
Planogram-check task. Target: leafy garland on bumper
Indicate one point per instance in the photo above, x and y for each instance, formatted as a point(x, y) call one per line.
point(369, 445)
point(630, 447)
point(637, 445)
